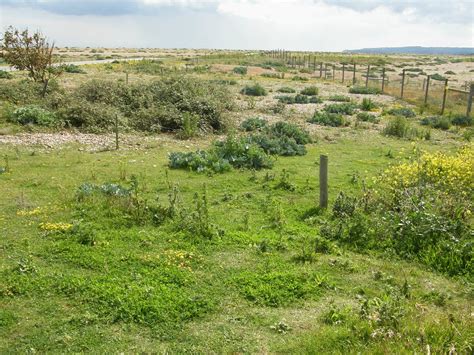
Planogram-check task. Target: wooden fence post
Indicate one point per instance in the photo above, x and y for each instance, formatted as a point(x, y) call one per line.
point(403, 83)
point(367, 76)
point(343, 70)
point(323, 181)
point(321, 69)
point(326, 71)
point(445, 93)
point(126, 78)
point(354, 75)
point(427, 88)
point(383, 79)
point(469, 100)
point(116, 133)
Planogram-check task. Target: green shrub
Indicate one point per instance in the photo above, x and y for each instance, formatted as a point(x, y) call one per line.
point(437, 76)
point(240, 70)
point(367, 117)
point(289, 130)
point(449, 72)
point(299, 78)
point(401, 128)
point(90, 117)
point(364, 90)
point(271, 75)
point(439, 122)
point(32, 114)
point(340, 98)
point(402, 111)
point(161, 103)
point(286, 90)
point(298, 99)
point(344, 108)
point(328, 119)
point(5, 75)
point(25, 91)
point(253, 124)
point(367, 104)
point(190, 126)
point(310, 91)
point(74, 69)
point(461, 120)
point(222, 156)
point(254, 90)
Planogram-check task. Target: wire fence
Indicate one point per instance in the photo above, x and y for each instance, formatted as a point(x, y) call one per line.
point(431, 93)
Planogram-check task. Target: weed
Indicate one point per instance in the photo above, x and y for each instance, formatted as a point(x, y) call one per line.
point(328, 119)
point(254, 90)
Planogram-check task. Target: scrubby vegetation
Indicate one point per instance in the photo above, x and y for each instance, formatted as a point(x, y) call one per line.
point(328, 119)
point(254, 90)
point(364, 90)
point(217, 244)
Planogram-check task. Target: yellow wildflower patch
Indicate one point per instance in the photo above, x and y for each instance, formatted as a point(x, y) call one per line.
point(55, 227)
point(453, 172)
point(27, 213)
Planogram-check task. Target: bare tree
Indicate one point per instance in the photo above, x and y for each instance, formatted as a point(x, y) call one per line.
point(32, 53)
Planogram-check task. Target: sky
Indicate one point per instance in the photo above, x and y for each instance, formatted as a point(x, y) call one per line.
point(313, 25)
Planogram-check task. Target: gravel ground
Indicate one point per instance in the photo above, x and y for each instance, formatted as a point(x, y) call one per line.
point(92, 142)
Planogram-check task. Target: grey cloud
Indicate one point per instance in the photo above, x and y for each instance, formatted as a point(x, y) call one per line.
point(459, 11)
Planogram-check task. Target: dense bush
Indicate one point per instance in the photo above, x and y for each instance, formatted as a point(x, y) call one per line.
point(299, 78)
point(328, 119)
point(439, 122)
point(437, 76)
point(90, 117)
point(25, 91)
point(461, 120)
point(344, 108)
point(32, 114)
point(222, 156)
point(298, 99)
point(272, 75)
point(339, 98)
point(74, 69)
point(5, 75)
point(364, 90)
point(240, 70)
point(419, 210)
point(254, 90)
point(367, 104)
point(251, 152)
point(253, 124)
point(402, 111)
point(286, 90)
point(310, 91)
point(401, 128)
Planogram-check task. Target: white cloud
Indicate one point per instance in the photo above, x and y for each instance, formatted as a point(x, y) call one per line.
point(290, 24)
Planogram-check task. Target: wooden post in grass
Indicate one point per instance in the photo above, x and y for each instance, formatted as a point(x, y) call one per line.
point(469, 100)
point(367, 76)
point(354, 75)
point(445, 93)
point(427, 88)
point(333, 72)
point(343, 70)
point(383, 79)
point(116, 133)
point(321, 69)
point(403, 83)
point(314, 64)
point(326, 71)
point(323, 181)
point(126, 78)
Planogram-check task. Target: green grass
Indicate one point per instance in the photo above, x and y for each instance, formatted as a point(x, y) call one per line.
point(141, 286)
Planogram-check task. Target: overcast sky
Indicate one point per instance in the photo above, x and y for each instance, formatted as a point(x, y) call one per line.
point(326, 25)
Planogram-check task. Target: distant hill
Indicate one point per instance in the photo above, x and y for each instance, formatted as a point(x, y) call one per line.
point(415, 50)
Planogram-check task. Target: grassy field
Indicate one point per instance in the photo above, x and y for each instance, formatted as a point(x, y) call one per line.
point(108, 250)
